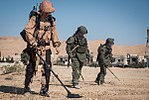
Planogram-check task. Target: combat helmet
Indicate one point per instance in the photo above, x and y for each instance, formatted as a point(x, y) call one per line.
point(82, 29)
point(46, 6)
point(110, 40)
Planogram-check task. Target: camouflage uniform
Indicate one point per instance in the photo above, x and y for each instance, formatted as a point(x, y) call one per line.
point(78, 55)
point(104, 59)
point(40, 34)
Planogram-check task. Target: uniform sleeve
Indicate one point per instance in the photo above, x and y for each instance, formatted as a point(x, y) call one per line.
point(55, 39)
point(88, 56)
point(69, 45)
point(101, 54)
point(30, 28)
point(111, 56)
point(87, 51)
point(98, 54)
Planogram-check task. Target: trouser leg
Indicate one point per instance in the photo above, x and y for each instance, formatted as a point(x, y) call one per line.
point(76, 70)
point(28, 76)
point(101, 75)
point(29, 73)
point(46, 73)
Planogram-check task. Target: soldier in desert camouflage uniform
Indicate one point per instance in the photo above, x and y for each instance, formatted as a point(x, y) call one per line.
point(40, 32)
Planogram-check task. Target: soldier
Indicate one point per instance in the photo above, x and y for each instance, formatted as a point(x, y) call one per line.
point(40, 32)
point(77, 50)
point(104, 58)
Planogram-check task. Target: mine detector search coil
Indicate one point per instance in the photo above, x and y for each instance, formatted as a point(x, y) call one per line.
point(69, 95)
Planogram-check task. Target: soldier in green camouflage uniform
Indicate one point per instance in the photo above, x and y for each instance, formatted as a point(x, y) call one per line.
point(104, 59)
point(77, 55)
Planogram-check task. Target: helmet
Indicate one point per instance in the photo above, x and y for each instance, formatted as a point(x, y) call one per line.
point(46, 6)
point(82, 30)
point(110, 40)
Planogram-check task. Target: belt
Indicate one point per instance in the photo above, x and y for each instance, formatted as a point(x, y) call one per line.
point(41, 43)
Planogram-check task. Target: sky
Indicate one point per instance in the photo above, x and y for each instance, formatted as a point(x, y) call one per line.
point(124, 20)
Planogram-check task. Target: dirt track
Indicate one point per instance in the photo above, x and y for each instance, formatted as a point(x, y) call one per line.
point(134, 85)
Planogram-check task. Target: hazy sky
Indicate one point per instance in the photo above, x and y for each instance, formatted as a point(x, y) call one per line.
point(124, 20)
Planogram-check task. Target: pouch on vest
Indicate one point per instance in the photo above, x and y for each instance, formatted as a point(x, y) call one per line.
point(81, 49)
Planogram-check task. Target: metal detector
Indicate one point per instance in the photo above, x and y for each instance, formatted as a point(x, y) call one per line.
point(69, 95)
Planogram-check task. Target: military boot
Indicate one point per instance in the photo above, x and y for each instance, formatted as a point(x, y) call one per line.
point(44, 91)
point(102, 81)
point(26, 88)
point(96, 81)
point(76, 85)
point(99, 82)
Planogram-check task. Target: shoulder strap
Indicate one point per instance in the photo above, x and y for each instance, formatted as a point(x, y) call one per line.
point(51, 19)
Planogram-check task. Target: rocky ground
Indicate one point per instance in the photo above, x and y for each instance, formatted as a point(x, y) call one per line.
point(133, 85)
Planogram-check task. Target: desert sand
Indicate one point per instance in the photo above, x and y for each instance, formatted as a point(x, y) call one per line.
point(133, 85)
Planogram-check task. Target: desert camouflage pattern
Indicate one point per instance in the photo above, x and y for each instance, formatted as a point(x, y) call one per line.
point(44, 35)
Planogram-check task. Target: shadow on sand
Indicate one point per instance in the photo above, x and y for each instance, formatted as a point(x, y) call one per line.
point(13, 90)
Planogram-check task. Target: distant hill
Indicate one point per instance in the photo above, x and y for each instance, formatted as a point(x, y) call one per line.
point(11, 45)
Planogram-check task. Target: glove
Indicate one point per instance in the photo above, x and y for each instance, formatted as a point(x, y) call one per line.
point(57, 51)
point(35, 44)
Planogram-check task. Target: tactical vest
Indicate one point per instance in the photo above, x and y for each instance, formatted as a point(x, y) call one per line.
point(82, 44)
point(37, 27)
point(47, 28)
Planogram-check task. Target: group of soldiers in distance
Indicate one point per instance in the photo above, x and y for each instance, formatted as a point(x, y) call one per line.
point(40, 34)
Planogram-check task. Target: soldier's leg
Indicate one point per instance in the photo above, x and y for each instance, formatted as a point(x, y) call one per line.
point(100, 76)
point(29, 75)
point(104, 72)
point(45, 81)
point(45, 75)
point(75, 71)
point(81, 66)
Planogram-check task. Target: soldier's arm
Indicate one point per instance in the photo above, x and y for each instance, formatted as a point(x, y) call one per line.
point(30, 28)
point(98, 53)
point(88, 56)
point(69, 46)
point(111, 57)
point(55, 39)
point(102, 54)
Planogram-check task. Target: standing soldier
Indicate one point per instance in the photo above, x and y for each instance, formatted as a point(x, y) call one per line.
point(104, 58)
point(77, 49)
point(40, 31)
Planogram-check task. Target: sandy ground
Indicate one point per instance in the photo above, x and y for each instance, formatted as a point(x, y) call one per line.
point(133, 85)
